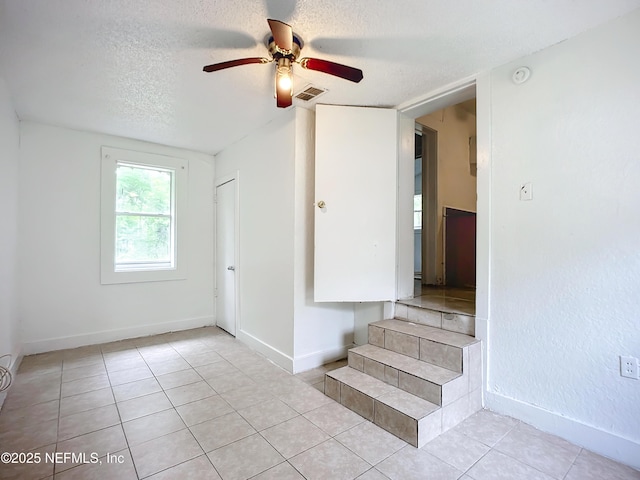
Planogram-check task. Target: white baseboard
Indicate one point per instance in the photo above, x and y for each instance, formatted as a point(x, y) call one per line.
point(276, 356)
point(603, 443)
point(319, 358)
point(48, 345)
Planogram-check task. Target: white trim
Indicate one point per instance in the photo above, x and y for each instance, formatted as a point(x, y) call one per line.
point(180, 168)
point(599, 441)
point(276, 356)
point(319, 358)
point(104, 336)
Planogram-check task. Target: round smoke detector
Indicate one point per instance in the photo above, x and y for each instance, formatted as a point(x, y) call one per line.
point(521, 75)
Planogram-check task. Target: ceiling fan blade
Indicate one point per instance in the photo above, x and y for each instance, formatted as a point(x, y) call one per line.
point(282, 34)
point(332, 68)
point(235, 63)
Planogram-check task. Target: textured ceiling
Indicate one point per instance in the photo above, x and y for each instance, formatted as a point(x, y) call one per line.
point(134, 68)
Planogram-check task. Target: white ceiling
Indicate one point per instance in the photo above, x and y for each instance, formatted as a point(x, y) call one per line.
point(134, 68)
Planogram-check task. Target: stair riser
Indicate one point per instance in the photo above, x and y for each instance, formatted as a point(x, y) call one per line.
point(407, 382)
point(453, 322)
point(446, 356)
point(414, 432)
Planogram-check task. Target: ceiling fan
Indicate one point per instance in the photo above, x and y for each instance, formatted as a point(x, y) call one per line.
point(284, 48)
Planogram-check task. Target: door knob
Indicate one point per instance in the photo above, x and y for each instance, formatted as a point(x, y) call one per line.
point(231, 267)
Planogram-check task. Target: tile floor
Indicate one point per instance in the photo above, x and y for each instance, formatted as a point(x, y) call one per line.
point(444, 299)
point(200, 405)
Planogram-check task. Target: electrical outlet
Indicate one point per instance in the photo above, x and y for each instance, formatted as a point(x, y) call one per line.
point(629, 367)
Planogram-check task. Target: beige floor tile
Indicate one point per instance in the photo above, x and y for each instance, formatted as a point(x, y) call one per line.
point(152, 426)
point(189, 393)
point(178, 379)
point(457, 449)
point(129, 375)
point(329, 460)
point(169, 366)
point(120, 364)
point(294, 436)
point(30, 415)
point(71, 374)
point(161, 453)
point(203, 410)
point(99, 443)
point(487, 427)
point(282, 471)
point(115, 466)
point(221, 431)
point(29, 437)
point(86, 401)
point(233, 463)
point(267, 414)
point(216, 369)
point(199, 468)
point(304, 398)
point(230, 381)
point(84, 385)
point(370, 442)
point(35, 470)
point(136, 389)
point(86, 422)
point(372, 474)
point(201, 359)
point(244, 397)
point(590, 466)
point(19, 398)
point(141, 406)
point(413, 464)
point(334, 418)
point(498, 466)
point(545, 452)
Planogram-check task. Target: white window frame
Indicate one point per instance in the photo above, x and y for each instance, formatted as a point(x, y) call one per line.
point(177, 270)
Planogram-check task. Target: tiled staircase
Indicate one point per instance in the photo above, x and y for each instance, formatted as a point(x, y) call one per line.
point(412, 379)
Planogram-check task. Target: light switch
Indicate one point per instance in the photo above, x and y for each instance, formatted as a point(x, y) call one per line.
point(526, 191)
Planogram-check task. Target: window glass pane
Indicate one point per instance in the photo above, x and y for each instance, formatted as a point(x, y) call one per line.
point(142, 239)
point(417, 220)
point(417, 203)
point(143, 190)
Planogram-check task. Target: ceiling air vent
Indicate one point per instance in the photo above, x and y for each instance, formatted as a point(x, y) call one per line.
point(309, 92)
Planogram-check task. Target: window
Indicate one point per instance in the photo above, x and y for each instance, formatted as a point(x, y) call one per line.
point(417, 212)
point(143, 204)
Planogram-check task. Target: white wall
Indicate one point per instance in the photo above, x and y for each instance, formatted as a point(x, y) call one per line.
point(565, 267)
point(277, 313)
point(265, 160)
point(322, 331)
point(61, 301)
point(9, 145)
point(456, 182)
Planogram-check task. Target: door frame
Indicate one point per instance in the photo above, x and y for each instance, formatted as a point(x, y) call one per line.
point(238, 271)
point(478, 86)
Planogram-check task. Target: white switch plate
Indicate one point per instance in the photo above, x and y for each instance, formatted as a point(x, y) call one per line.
point(629, 367)
point(526, 191)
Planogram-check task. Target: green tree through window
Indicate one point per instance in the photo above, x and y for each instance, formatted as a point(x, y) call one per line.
point(144, 221)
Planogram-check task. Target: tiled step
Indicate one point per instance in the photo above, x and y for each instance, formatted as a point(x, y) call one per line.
point(429, 344)
point(410, 418)
point(435, 317)
point(429, 382)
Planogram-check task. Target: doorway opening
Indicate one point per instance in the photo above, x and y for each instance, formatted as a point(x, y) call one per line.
point(445, 208)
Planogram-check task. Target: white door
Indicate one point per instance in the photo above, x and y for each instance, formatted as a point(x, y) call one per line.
point(356, 204)
point(226, 256)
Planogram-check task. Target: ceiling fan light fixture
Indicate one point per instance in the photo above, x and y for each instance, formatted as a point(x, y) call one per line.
point(284, 82)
